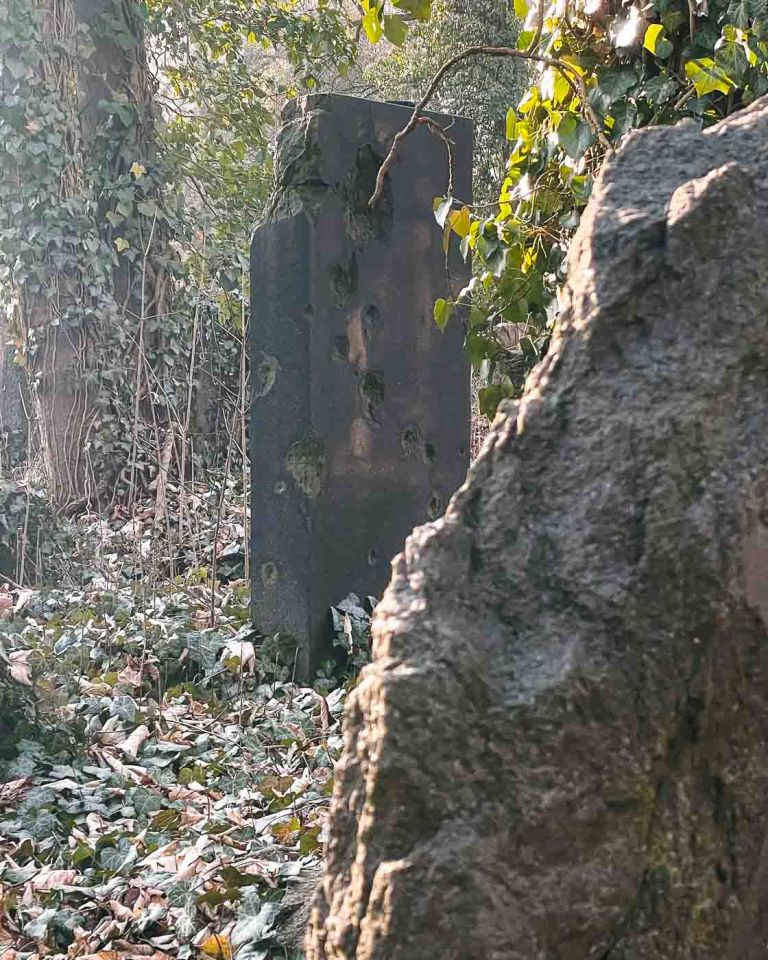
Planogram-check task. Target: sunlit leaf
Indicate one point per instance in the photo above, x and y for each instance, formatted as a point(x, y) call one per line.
point(442, 312)
point(374, 29)
point(442, 209)
point(395, 30)
point(460, 221)
point(731, 56)
point(511, 124)
point(707, 76)
point(656, 42)
point(217, 946)
point(418, 9)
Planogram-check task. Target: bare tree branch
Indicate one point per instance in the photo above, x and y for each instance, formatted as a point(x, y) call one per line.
point(568, 71)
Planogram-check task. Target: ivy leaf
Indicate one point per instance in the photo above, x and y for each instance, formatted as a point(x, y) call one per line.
point(511, 124)
point(460, 221)
point(443, 311)
point(708, 77)
point(147, 208)
point(574, 136)
point(732, 57)
point(624, 116)
point(145, 801)
point(613, 83)
point(395, 30)
point(17, 68)
point(442, 209)
point(37, 929)
point(659, 89)
point(252, 929)
point(114, 859)
point(310, 841)
point(656, 42)
point(672, 19)
point(478, 346)
point(122, 244)
point(138, 170)
point(418, 9)
point(490, 397)
point(372, 26)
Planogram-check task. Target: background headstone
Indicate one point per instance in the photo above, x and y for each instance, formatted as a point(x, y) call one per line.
point(360, 415)
point(560, 750)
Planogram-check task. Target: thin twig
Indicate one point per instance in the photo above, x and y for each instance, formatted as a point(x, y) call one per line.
point(692, 18)
point(219, 511)
point(569, 73)
point(539, 28)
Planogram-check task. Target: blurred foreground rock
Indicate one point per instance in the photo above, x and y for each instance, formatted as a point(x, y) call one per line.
point(561, 750)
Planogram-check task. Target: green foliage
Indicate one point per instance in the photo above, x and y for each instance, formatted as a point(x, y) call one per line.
point(351, 621)
point(124, 226)
point(31, 536)
point(613, 67)
point(225, 67)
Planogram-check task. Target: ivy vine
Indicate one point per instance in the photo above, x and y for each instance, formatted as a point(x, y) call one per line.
point(599, 68)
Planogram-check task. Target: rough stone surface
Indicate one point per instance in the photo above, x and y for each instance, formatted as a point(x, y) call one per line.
point(561, 749)
point(360, 416)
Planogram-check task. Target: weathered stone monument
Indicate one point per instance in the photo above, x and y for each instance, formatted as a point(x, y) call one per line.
point(360, 417)
point(561, 749)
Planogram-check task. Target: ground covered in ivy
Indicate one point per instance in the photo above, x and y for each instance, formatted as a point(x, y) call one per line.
point(164, 784)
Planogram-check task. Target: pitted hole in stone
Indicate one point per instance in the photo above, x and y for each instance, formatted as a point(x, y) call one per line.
point(305, 462)
point(410, 440)
point(373, 556)
point(280, 487)
point(434, 506)
point(344, 281)
point(462, 451)
point(430, 452)
point(371, 321)
point(267, 369)
point(365, 223)
point(372, 392)
point(341, 349)
point(269, 576)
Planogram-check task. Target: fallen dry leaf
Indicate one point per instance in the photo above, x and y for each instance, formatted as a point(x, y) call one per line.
point(130, 677)
point(95, 689)
point(12, 791)
point(54, 879)
point(22, 599)
point(6, 605)
point(131, 747)
point(19, 668)
point(217, 946)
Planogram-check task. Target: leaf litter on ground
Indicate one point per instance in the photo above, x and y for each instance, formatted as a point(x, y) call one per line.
point(173, 780)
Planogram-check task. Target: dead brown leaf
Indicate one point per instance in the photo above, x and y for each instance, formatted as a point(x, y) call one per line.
point(19, 667)
point(12, 791)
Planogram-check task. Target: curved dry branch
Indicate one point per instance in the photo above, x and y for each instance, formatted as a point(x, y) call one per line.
point(569, 72)
point(539, 27)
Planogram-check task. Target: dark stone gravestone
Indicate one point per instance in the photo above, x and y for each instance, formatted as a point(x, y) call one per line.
point(360, 414)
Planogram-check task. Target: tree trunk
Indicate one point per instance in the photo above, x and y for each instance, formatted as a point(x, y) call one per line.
point(13, 396)
point(85, 323)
